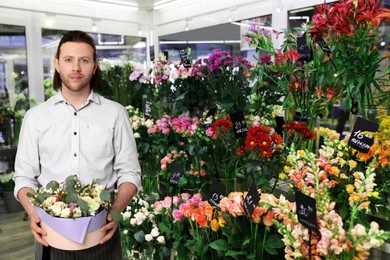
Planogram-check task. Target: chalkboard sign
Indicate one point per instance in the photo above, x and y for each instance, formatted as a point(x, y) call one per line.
point(212, 111)
point(217, 192)
point(239, 124)
point(303, 49)
point(176, 174)
point(360, 141)
point(306, 210)
point(148, 108)
point(279, 125)
point(185, 60)
point(325, 48)
point(251, 200)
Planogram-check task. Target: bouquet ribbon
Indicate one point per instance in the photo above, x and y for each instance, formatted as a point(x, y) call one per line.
point(74, 229)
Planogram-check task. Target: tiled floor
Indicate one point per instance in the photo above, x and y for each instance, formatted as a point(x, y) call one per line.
point(16, 239)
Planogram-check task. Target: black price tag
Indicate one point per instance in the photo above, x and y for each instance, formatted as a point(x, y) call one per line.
point(217, 192)
point(303, 49)
point(148, 108)
point(360, 141)
point(306, 210)
point(185, 60)
point(251, 200)
point(239, 124)
point(325, 48)
point(176, 174)
point(279, 125)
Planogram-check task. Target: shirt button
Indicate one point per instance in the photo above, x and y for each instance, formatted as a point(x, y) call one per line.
point(75, 155)
point(75, 113)
point(75, 133)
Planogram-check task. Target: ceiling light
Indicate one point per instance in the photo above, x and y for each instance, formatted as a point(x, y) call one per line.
point(49, 20)
point(130, 5)
point(164, 3)
point(94, 27)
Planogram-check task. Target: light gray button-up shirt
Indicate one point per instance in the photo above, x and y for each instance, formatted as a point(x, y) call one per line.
point(93, 142)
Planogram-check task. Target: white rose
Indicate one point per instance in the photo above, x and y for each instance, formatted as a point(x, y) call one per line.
point(65, 213)
point(126, 215)
point(155, 232)
point(161, 239)
point(133, 221)
point(125, 232)
point(48, 202)
point(93, 204)
point(57, 207)
point(76, 212)
point(137, 135)
point(148, 237)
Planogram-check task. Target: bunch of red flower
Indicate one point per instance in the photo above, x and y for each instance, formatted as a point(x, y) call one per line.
point(260, 139)
point(219, 127)
point(344, 17)
point(298, 127)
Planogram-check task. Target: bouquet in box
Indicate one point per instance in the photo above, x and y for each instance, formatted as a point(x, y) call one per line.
point(72, 213)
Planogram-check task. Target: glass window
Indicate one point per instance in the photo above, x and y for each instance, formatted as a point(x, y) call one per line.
point(13, 62)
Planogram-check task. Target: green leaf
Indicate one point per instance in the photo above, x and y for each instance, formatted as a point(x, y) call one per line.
point(270, 249)
point(220, 244)
point(139, 236)
point(116, 216)
point(52, 185)
point(82, 204)
point(71, 197)
point(275, 241)
point(235, 253)
point(105, 196)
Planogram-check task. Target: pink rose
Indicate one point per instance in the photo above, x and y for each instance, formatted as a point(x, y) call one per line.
point(177, 214)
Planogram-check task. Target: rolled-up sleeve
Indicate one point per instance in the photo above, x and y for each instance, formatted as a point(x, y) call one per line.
point(126, 164)
point(27, 155)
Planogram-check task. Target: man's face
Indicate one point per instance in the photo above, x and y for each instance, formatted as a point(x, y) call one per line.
point(76, 66)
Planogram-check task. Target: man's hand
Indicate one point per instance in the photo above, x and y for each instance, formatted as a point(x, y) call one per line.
point(109, 228)
point(37, 231)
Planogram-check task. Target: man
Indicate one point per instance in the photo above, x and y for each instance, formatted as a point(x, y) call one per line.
point(77, 132)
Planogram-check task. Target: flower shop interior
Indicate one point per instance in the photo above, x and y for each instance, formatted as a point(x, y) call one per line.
point(262, 126)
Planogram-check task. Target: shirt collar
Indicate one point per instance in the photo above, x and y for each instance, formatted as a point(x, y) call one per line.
point(92, 97)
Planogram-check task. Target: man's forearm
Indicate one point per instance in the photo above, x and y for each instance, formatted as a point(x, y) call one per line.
point(25, 200)
point(126, 192)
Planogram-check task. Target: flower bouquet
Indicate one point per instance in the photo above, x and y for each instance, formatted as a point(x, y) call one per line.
point(72, 213)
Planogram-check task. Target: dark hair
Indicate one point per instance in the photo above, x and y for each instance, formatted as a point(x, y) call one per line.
point(78, 36)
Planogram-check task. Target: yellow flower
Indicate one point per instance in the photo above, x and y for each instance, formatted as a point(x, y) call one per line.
point(352, 164)
point(282, 176)
point(287, 169)
point(221, 222)
point(342, 161)
point(349, 188)
point(343, 176)
point(301, 153)
point(214, 225)
point(335, 170)
point(340, 154)
point(354, 198)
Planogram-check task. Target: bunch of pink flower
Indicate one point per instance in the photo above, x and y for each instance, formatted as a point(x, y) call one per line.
point(194, 209)
point(162, 125)
point(170, 158)
point(161, 69)
point(233, 205)
point(185, 125)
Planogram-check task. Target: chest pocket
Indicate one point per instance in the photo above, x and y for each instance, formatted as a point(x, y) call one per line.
point(99, 140)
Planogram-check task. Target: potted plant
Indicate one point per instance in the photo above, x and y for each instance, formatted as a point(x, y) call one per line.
point(7, 185)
